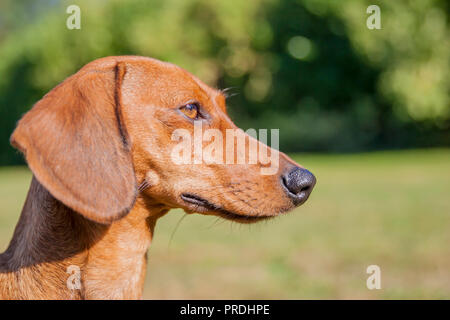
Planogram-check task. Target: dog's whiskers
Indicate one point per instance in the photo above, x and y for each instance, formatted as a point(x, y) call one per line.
point(144, 185)
point(215, 222)
point(227, 94)
point(175, 230)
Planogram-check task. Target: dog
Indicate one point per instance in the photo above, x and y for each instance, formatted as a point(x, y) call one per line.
point(99, 147)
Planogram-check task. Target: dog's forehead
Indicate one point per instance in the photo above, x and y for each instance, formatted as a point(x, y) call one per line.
point(149, 78)
point(170, 80)
point(171, 73)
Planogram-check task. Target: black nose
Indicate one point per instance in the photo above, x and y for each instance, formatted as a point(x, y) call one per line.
point(299, 184)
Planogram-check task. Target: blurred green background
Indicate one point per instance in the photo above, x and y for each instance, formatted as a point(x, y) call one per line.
point(309, 67)
point(334, 88)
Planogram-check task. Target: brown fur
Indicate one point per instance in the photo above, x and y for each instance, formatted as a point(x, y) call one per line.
point(90, 142)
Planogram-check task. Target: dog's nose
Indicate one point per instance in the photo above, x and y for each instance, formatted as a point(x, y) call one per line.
point(299, 184)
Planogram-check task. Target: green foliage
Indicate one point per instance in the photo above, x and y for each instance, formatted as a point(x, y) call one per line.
point(413, 51)
point(308, 67)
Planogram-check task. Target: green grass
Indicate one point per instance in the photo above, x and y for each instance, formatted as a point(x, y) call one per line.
point(391, 209)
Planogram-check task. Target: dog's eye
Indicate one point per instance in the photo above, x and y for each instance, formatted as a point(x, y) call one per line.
point(190, 110)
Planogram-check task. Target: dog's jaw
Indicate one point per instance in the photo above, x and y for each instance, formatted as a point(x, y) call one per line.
point(198, 204)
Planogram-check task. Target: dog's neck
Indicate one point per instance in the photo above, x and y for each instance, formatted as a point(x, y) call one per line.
point(51, 243)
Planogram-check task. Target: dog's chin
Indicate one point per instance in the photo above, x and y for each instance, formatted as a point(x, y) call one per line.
point(197, 204)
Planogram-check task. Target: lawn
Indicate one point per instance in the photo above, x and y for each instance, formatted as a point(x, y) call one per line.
point(391, 209)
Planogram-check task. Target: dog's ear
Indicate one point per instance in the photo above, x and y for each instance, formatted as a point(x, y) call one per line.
point(75, 142)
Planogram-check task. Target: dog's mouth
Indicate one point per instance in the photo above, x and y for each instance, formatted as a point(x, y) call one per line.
point(200, 205)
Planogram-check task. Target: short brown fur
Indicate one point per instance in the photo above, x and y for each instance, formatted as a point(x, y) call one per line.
point(90, 143)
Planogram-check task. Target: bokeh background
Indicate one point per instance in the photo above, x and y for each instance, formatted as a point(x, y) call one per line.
point(368, 111)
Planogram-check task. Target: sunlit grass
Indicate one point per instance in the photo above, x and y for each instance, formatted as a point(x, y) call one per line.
point(391, 209)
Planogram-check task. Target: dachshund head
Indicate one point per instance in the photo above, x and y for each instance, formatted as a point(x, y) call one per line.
point(124, 127)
